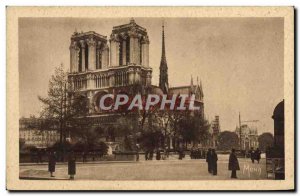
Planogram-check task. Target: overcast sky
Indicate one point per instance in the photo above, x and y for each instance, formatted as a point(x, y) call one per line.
point(239, 60)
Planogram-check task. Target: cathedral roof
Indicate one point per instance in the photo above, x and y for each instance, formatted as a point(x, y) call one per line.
point(156, 90)
point(180, 89)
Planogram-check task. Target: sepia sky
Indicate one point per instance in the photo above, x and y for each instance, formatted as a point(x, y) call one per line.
point(239, 60)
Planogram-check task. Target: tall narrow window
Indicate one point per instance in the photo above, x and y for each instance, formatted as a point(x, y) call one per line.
point(120, 53)
point(127, 50)
point(97, 58)
point(86, 56)
point(100, 60)
point(140, 48)
point(80, 60)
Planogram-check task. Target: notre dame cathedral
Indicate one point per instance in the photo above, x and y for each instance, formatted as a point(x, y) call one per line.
point(99, 66)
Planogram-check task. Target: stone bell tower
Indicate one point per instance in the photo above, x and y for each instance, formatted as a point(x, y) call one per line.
point(129, 45)
point(88, 51)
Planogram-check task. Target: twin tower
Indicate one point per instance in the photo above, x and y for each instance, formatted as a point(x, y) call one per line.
point(96, 64)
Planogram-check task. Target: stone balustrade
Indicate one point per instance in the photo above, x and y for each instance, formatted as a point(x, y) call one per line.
point(112, 77)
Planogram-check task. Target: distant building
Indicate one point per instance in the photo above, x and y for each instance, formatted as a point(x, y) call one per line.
point(38, 132)
point(249, 136)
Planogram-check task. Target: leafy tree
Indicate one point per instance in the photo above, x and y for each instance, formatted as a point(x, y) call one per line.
point(151, 140)
point(265, 140)
point(83, 133)
point(99, 147)
point(57, 146)
point(21, 143)
point(127, 127)
point(193, 128)
point(228, 140)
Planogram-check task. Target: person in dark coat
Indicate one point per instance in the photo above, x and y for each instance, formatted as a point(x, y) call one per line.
point(39, 154)
point(83, 156)
point(147, 155)
point(233, 164)
point(252, 155)
point(192, 153)
point(214, 159)
point(151, 154)
point(181, 154)
point(208, 160)
point(158, 156)
point(71, 165)
point(258, 155)
point(51, 163)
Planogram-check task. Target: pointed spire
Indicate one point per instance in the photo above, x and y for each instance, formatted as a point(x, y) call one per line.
point(163, 53)
point(197, 80)
point(192, 83)
point(163, 76)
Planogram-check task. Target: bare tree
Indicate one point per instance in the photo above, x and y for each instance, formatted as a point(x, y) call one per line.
point(55, 103)
point(59, 107)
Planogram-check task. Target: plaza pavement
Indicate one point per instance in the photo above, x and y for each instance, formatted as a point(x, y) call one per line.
point(171, 169)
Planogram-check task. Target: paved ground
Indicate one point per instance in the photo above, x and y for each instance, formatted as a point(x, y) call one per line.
point(172, 169)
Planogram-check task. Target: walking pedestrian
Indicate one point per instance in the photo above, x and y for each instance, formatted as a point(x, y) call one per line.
point(214, 159)
point(252, 155)
point(208, 160)
point(180, 153)
point(71, 165)
point(158, 154)
point(39, 155)
point(137, 152)
point(164, 154)
point(192, 153)
point(147, 155)
point(258, 155)
point(51, 163)
point(83, 156)
point(233, 164)
point(151, 154)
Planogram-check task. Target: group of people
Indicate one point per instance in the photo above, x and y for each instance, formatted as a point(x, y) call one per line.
point(212, 158)
point(160, 155)
point(255, 155)
point(71, 164)
point(149, 155)
point(197, 153)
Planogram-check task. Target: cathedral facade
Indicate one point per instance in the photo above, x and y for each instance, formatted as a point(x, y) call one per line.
point(100, 66)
